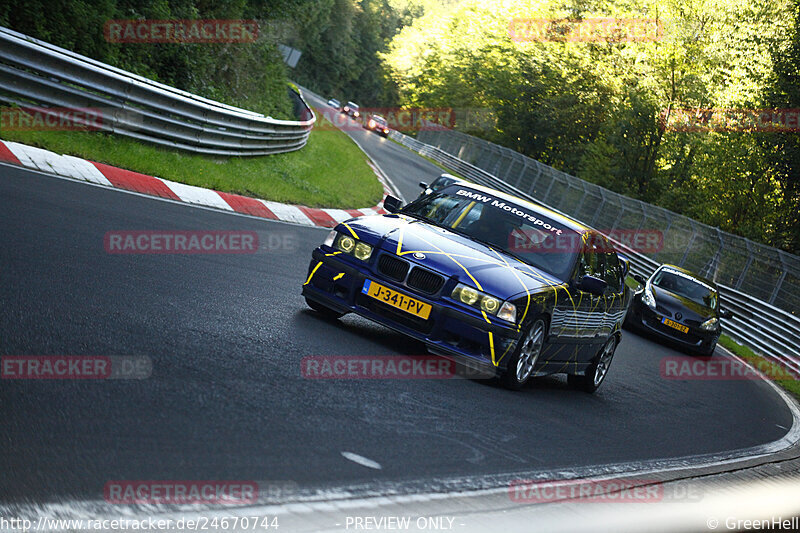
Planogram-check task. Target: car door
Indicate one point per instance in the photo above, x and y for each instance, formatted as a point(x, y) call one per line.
point(592, 312)
point(615, 294)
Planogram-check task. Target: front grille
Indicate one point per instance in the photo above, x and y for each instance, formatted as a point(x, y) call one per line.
point(425, 281)
point(392, 267)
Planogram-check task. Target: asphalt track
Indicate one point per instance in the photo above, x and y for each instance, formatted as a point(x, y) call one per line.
point(226, 400)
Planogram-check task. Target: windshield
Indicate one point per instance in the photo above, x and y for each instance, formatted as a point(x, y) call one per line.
point(511, 228)
point(687, 287)
point(379, 120)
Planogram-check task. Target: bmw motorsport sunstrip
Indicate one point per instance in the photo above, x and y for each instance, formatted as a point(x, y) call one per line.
point(487, 279)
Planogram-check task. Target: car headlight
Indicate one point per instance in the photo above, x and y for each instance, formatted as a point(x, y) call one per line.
point(362, 251)
point(349, 245)
point(648, 298)
point(371, 124)
point(488, 304)
point(711, 324)
point(330, 238)
point(346, 244)
point(508, 311)
point(355, 114)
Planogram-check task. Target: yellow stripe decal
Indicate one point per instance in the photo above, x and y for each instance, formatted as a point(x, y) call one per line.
point(340, 275)
point(351, 229)
point(400, 241)
point(463, 214)
point(491, 347)
point(312, 273)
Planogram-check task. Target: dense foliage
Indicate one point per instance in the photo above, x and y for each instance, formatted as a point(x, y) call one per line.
point(596, 109)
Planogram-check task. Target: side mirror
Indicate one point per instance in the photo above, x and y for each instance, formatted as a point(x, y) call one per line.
point(592, 285)
point(626, 266)
point(423, 185)
point(639, 278)
point(725, 313)
point(392, 204)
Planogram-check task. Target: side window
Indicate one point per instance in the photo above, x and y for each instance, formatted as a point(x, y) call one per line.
point(591, 262)
point(613, 273)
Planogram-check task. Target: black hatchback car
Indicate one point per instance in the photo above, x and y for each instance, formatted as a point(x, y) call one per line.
point(679, 306)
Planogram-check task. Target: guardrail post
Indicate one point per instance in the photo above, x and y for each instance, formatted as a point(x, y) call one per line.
point(746, 267)
point(780, 280)
point(689, 244)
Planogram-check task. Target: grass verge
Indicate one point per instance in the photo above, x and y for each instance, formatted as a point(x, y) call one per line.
point(330, 171)
point(761, 363)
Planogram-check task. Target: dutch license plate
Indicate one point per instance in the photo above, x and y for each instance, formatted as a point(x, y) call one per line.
point(680, 327)
point(396, 299)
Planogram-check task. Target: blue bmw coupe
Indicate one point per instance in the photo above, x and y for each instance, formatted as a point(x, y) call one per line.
point(498, 283)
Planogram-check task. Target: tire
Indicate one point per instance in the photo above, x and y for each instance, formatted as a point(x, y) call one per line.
point(597, 371)
point(520, 367)
point(326, 312)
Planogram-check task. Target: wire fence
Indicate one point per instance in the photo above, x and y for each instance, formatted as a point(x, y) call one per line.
point(760, 271)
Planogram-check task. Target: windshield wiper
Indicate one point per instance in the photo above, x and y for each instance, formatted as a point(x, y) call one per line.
point(423, 218)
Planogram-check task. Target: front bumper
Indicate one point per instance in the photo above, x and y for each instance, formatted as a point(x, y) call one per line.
point(645, 319)
point(337, 281)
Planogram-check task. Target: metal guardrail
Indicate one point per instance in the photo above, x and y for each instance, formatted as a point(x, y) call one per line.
point(35, 73)
point(760, 325)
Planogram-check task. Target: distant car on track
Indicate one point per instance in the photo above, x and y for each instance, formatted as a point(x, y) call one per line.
point(377, 124)
point(679, 306)
point(351, 109)
point(496, 282)
point(334, 103)
point(439, 183)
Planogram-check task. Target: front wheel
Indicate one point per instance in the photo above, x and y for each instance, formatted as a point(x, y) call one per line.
point(520, 366)
point(597, 371)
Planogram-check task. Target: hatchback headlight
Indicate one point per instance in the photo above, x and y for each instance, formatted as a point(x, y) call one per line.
point(486, 303)
point(711, 324)
point(648, 298)
point(352, 246)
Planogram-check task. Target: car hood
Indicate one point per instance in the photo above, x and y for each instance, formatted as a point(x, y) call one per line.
point(451, 254)
point(690, 310)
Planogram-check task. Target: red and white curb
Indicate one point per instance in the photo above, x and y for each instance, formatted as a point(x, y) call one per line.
point(98, 173)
